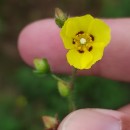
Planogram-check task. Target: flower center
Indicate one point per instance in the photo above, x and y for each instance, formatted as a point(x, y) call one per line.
point(83, 41)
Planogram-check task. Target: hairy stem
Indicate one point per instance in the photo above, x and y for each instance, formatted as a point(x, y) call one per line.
point(71, 101)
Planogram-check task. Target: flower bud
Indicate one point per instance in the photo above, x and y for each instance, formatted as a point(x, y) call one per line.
point(60, 17)
point(63, 88)
point(41, 66)
point(50, 122)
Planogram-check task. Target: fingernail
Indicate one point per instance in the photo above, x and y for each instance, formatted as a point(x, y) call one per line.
point(88, 119)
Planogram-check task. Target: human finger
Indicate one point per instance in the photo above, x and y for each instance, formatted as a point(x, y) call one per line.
point(96, 119)
point(41, 39)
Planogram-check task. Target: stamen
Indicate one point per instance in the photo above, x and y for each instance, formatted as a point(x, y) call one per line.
point(81, 32)
point(80, 51)
point(73, 41)
point(90, 48)
point(92, 37)
point(79, 47)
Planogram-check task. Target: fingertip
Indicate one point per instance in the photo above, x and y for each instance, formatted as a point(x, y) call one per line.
point(93, 119)
point(125, 109)
point(41, 40)
point(30, 39)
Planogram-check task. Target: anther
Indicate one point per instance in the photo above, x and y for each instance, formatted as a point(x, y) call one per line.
point(73, 41)
point(80, 51)
point(90, 48)
point(92, 37)
point(81, 32)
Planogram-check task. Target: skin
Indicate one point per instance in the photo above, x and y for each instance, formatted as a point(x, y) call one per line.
point(41, 39)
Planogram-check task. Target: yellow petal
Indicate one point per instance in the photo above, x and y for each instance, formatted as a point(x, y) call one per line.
point(101, 31)
point(68, 42)
point(76, 24)
point(66, 38)
point(72, 26)
point(97, 53)
point(79, 60)
point(85, 22)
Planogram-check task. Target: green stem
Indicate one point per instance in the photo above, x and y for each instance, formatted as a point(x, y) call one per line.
point(71, 86)
point(72, 106)
point(71, 103)
point(73, 78)
point(57, 78)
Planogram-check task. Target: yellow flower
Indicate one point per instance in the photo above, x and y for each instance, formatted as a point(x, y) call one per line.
point(85, 37)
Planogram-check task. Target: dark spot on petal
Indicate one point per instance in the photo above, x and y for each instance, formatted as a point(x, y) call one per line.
point(81, 32)
point(92, 37)
point(80, 51)
point(73, 41)
point(90, 48)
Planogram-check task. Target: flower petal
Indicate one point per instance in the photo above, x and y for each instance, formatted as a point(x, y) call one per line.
point(100, 31)
point(79, 60)
point(97, 53)
point(76, 24)
point(72, 26)
point(85, 22)
point(68, 42)
point(66, 36)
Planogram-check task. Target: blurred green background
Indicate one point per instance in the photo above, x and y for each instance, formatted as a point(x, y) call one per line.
point(25, 97)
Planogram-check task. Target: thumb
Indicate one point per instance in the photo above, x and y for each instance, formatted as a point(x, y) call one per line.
point(96, 119)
